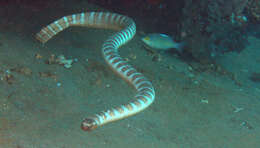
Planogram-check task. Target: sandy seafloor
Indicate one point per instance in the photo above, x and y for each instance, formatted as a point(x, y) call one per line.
point(193, 109)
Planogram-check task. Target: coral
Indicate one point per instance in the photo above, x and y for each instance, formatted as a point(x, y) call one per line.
point(214, 27)
point(254, 9)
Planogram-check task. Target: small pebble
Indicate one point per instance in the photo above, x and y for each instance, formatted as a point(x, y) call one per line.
point(157, 58)
point(190, 68)
point(191, 75)
point(196, 82)
point(170, 67)
point(204, 101)
point(58, 84)
point(238, 109)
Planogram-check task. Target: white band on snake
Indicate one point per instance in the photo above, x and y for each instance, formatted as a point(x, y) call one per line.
point(127, 29)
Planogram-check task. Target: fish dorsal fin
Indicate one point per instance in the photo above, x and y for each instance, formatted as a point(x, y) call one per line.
point(164, 35)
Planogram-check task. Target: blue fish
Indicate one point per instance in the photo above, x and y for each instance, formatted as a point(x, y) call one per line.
point(161, 42)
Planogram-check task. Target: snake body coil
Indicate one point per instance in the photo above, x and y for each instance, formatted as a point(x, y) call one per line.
point(127, 29)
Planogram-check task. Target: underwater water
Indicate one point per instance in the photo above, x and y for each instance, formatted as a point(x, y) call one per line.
point(43, 101)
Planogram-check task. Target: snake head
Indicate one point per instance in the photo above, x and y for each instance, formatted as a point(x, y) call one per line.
point(88, 124)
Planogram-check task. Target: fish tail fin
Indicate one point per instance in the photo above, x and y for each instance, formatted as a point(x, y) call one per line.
point(180, 46)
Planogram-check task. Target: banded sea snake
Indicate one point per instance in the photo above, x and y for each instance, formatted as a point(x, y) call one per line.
point(126, 31)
